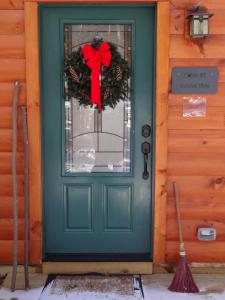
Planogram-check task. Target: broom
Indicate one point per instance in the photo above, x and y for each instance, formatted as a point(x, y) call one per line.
point(183, 281)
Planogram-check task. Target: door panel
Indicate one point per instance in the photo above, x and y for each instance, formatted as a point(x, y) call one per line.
point(95, 198)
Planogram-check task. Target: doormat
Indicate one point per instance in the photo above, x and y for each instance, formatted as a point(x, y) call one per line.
point(91, 286)
point(118, 284)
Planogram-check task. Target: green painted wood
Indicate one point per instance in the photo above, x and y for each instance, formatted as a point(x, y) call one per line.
point(100, 214)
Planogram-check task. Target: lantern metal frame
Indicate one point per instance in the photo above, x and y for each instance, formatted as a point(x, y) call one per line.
point(199, 22)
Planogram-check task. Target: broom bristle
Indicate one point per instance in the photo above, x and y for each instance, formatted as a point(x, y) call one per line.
point(183, 281)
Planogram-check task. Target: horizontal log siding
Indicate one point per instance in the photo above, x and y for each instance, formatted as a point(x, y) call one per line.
point(196, 146)
point(12, 68)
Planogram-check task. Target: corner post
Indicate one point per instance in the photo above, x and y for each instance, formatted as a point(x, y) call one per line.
point(34, 130)
point(161, 134)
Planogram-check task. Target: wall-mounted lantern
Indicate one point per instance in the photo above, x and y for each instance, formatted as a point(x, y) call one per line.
point(199, 22)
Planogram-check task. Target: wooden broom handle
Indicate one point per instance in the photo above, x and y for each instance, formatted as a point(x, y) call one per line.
point(177, 200)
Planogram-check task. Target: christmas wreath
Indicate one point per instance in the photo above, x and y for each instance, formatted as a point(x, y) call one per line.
point(97, 75)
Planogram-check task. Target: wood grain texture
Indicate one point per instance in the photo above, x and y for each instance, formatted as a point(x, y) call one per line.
point(196, 141)
point(6, 88)
point(216, 99)
point(6, 209)
point(10, 71)
point(6, 185)
point(6, 163)
point(190, 228)
point(6, 229)
point(162, 71)
point(198, 209)
point(196, 164)
point(99, 267)
point(214, 119)
point(6, 118)
point(12, 46)
point(194, 186)
point(34, 128)
point(6, 247)
point(11, 22)
point(6, 256)
point(6, 140)
point(11, 4)
point(184, 4)
point(212, 47)
point(197, 251)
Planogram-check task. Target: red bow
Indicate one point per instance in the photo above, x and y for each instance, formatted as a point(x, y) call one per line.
point(94, 59)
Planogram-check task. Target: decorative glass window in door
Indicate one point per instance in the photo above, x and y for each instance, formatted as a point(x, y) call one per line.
point(97, 85)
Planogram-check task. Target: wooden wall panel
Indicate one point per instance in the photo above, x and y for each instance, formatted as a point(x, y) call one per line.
point(6, 88)
point(10, 71)
point(184, 4)
point(6, 229)
point(11, 4)
point(6, 118)
point(11, 22)
point(196, 164)
point(198, 251)
point(6, 209)
point(6, 163)
point(214, 119)
point(196, 146)
point(12, 46)
point(6, 140)
point(198, 209)
point(217, 99)
point(202, 186)
point(6, 185)
point(196, 141)
point(212, 47)
point(190, 228)
point(6, 247)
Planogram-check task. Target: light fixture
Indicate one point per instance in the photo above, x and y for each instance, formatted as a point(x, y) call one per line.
point(199, 22)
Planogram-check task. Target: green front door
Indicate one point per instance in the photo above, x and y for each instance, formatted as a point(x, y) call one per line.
point(97, 199)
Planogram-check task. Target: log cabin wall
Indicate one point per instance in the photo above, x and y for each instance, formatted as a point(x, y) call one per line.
point(12, 67)
point(196, 155)
point(196, 146)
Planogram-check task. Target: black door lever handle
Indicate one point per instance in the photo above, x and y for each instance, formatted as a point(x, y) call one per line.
point(145, 149)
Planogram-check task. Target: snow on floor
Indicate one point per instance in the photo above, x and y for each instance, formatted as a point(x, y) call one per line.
point(212, 287)
point(33, 294)
point(162, 293)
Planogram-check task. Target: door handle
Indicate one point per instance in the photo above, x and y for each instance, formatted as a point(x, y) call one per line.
point(145, 149)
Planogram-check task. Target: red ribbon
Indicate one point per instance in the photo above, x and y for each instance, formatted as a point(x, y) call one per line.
point(94, 58)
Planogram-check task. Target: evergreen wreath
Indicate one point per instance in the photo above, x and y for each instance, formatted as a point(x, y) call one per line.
point(114, 79)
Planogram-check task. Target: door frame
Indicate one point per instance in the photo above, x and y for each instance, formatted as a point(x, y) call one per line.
point(34, 124)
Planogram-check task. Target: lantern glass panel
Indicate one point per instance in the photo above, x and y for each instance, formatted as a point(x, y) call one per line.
point(199, 26)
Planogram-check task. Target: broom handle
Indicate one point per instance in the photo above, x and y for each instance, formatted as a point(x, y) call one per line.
point(176, 194)
point(26, 199)
point(14, 184)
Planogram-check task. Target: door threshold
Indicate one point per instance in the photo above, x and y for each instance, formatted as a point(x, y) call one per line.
point(145, 268)
point(104, 257)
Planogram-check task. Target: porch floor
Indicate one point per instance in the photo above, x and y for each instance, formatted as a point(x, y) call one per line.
point(212, 286)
